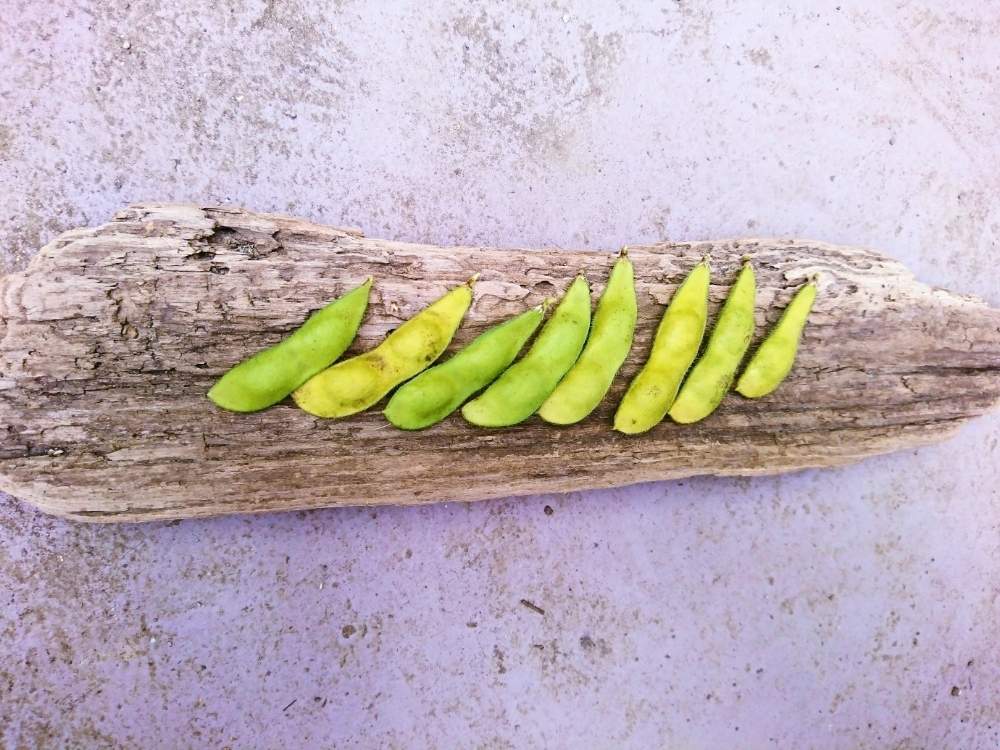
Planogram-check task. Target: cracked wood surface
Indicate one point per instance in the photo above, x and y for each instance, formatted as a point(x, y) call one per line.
point(111, 337)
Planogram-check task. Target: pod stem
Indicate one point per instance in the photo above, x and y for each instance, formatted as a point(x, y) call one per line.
point(623, 253)
point(472, 280)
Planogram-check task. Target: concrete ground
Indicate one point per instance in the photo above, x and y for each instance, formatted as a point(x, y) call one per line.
point(854, 608)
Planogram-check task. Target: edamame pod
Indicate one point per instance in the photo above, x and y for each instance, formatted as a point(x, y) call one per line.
point(437, 392)
point(712, 375)
point(675, 346)
point(523, 386)
point(267, 377)
point(355, 384)
point(583, 387)
point(774, 359)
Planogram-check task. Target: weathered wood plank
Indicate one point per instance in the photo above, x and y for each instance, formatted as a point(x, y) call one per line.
point(111, 337)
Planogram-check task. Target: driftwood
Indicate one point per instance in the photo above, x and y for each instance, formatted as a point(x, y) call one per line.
point(111, 337)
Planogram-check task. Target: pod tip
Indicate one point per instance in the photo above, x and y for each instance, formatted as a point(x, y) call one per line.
point(814, 278)
point(472, 280)
point(745, 258)
point(623, 253)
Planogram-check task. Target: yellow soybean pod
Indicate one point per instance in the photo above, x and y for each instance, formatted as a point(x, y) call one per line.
point(437, 392)
point(678, 338)
point(772, 362)
point(712, 375)
point(583, 387)
point(357, 383)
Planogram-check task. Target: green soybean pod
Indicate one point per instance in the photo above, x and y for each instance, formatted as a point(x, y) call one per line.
point(269, 376)
point(437, 392)
point(357, 383)
point(675, 346)
point(523, 386)
point(583, 387)
point(712, 375)
point(773, 360)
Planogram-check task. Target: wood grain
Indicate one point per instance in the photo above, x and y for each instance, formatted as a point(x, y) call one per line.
point(111, 337)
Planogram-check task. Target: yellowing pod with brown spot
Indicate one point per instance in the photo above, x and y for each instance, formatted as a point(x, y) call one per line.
point(360, 382)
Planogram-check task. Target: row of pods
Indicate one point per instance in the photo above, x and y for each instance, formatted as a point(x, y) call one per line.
point(564, 375)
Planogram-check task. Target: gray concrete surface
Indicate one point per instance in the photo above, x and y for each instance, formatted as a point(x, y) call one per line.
point(855, 608)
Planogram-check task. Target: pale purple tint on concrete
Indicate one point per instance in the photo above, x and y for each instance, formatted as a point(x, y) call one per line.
point(854, 608)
